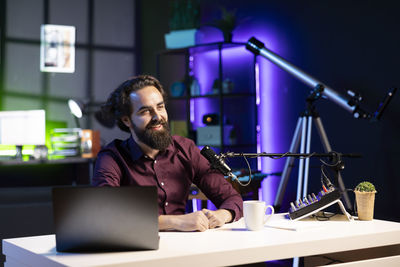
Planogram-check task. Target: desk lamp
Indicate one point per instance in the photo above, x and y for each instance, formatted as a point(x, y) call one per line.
point(79, 109)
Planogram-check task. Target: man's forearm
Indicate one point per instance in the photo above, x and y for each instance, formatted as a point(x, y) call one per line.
point(164, 222)
point(226, 215)
point(217, 218)
point(195, 221)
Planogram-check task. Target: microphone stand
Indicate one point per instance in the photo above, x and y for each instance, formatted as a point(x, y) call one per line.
point(288, 154)
point(337, 166)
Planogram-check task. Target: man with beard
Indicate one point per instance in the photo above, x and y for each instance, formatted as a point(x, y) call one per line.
point(152, 157)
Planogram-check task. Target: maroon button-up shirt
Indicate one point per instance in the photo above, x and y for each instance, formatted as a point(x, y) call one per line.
point(172, 172)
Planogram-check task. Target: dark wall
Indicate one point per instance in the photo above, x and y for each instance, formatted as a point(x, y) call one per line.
point(154, 16)
point(355, 46)
point(344, 44)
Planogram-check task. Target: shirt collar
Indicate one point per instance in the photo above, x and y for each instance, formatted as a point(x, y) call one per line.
point(136, 152)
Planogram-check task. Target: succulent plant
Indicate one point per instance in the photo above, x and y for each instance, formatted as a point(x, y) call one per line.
point(185, 14)
point(226, 24)
point(365, 187)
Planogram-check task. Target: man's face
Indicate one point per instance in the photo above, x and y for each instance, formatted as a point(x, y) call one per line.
point(149, 119)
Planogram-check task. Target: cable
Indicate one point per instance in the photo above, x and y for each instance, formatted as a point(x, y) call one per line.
point(335, 155)
point(338, 161)
point(323, 216)
point(283, 155)
point(248, 165)
point(288, 153)
point(323, 175)
point(325, 181)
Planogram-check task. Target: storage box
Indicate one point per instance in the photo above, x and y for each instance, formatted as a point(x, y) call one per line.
point(66, 142)
point(180, 39)
point(90, 143)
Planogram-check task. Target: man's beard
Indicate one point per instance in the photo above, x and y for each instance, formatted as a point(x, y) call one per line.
point(159, 140)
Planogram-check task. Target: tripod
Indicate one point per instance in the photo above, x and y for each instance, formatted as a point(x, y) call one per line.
point(302, 137)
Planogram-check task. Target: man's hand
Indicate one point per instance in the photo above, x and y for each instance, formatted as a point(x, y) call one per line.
point(217, 218)
point(196, 221)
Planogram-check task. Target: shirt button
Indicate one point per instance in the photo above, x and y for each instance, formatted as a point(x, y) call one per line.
point(155, 161)
point(162, 183)
point(166, 203)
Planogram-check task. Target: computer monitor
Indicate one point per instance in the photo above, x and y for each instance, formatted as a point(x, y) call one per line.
point(22, 127)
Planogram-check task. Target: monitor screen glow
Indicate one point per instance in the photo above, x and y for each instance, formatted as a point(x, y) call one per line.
point(23, 127)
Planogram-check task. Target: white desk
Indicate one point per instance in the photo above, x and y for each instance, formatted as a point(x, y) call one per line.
point(229, 245)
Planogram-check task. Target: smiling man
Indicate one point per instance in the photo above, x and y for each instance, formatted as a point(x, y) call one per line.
point(152, 157)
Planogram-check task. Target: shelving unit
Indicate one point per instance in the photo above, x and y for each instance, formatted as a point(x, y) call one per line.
point(226, 77)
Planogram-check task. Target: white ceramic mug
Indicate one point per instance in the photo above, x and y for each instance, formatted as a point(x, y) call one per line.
point(255, 214)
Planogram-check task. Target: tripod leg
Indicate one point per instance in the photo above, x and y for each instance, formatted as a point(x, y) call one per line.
point(322, 134)
point(327, 147)
point(307, 160)
point(288, 165)
point(301, 160)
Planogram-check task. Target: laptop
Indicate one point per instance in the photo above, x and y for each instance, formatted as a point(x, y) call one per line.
point(105, 218)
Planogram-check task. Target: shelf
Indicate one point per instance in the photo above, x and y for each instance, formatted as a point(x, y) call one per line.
point(210, 64)
point(215, 96)
point(231, 146)
point(201, 48)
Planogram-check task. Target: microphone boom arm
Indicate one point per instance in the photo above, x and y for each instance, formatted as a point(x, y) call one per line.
point(287, 154)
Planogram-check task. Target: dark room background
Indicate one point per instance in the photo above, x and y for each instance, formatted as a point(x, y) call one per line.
point(348, 45)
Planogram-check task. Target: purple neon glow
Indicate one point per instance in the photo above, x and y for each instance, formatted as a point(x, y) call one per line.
point(191, 59)
point(192, 110)
point(191, 73)
point(259, 163)
point(268, 95)
point(257, 71)
point(268, 121)
point(271, 114)
point(204, 69)
point(258, 128)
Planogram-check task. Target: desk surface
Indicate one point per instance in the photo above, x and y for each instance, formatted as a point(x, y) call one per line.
point(229, 245)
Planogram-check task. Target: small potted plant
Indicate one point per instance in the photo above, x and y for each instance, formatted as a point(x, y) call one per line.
point(183, 23)
point(365, 199)
point(226, 24)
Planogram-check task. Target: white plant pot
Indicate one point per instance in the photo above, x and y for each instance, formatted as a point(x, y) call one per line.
point(180, 39)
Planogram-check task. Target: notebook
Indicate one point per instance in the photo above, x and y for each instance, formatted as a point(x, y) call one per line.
point(105, 218)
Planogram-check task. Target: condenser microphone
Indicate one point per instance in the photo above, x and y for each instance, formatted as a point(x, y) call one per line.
point(217, 162)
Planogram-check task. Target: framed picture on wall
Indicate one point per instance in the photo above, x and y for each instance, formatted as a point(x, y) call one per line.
point(57, 48)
